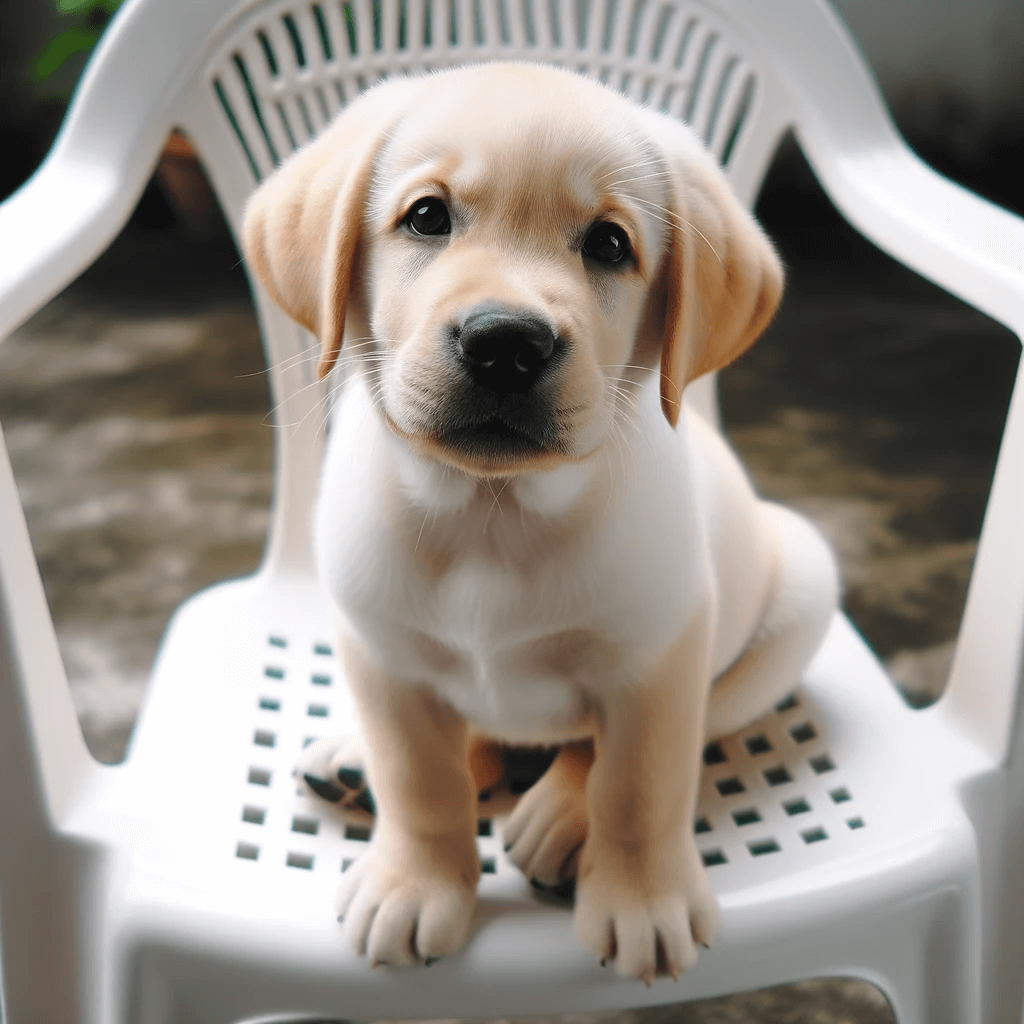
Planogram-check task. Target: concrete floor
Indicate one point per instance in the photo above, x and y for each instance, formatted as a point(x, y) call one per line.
point(137, 419)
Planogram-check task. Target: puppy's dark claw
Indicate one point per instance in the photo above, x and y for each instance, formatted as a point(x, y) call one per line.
point(564, 890)
point(430, 961)
point(365, 802)
point(350, 778)
point(323, 788)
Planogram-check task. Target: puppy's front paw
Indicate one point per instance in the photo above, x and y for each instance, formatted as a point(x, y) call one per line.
point(405, 901)
point(333, 768)
point(645, 923)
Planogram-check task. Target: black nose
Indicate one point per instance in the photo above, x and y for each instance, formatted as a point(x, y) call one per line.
point(505, 349)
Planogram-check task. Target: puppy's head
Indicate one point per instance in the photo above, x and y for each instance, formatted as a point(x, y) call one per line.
point(515, 247)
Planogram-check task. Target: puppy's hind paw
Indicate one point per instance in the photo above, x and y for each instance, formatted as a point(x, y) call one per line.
point(333, 768)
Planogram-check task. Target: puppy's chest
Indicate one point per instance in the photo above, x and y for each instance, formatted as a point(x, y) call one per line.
point(516, 645)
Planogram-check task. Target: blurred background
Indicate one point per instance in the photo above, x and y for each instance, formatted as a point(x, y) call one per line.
point(139, 426)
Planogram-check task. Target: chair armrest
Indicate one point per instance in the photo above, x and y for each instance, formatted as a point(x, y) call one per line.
point(966, 245)
point(53, 228)
point(123, 110)
point(974, 250)
point(970, 247)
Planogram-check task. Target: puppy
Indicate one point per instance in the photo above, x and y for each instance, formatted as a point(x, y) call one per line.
point(526, 534)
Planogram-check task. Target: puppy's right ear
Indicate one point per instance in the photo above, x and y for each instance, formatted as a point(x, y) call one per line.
point(302, 226)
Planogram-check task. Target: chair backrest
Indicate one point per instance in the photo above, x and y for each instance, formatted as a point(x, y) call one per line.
point(276, 73)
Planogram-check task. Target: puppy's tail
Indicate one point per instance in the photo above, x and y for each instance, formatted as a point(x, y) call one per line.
point(803, 597)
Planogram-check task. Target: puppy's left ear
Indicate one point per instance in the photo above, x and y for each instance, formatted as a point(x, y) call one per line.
point(302, 226)
point(721, 278)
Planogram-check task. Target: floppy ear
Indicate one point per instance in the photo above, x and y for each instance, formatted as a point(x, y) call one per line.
point(302, 226)
point(722, 279)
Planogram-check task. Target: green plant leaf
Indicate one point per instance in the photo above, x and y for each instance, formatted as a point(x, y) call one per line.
point(59, 49)
point(76, 6)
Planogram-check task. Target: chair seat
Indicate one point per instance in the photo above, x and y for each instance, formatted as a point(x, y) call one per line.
point(229, 867)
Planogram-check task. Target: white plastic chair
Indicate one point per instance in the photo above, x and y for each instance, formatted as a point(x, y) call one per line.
point(845, 834)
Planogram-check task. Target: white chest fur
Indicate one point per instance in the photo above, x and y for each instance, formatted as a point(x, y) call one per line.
point(517, 600)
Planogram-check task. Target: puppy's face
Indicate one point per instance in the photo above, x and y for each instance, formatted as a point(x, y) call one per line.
point(509, 258)
point(513, 247)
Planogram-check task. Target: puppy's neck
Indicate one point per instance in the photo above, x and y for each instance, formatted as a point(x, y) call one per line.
point(519, 523)
point(441, 489)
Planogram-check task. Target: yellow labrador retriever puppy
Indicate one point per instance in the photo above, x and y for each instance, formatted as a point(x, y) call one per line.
point(526, 534)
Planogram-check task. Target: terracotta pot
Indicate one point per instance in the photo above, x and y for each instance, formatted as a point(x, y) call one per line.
point(186, 187)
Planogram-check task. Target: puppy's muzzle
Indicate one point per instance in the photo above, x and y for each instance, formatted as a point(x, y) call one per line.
point(502, 400)
point(505, 350)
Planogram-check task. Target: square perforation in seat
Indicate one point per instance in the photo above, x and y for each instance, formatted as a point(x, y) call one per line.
point(757, 744)
point(247, 851)
point(318, 710)
point(777, 776)
point(306, 824)
point(323, 650)
point(269, 704)
point(264, 738)
point(814, 835)
point(799, 806)
point(254, 815)
point(747, 816)
point(712, 858)
point(274, 672)
point(320, 679)
point(260, 776)
point(714, 754)
point(761, 847)
point(822, 763)
point(361, 833)
point(730, 786)
point(300, 860)
point(803, 732)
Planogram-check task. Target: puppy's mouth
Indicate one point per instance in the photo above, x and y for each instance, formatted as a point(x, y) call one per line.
point(489, 447)
point(493, 439)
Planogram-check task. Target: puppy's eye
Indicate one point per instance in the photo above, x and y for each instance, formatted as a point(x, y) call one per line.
point(428, 216)
point(606, 243)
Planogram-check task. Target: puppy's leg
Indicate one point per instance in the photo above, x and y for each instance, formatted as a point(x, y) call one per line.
point(804, 595)
point(545, 832)
point(334, 768)
point(411, 894)
point(642, 897)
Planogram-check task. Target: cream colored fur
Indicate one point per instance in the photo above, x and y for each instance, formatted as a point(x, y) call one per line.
point(588, 594)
